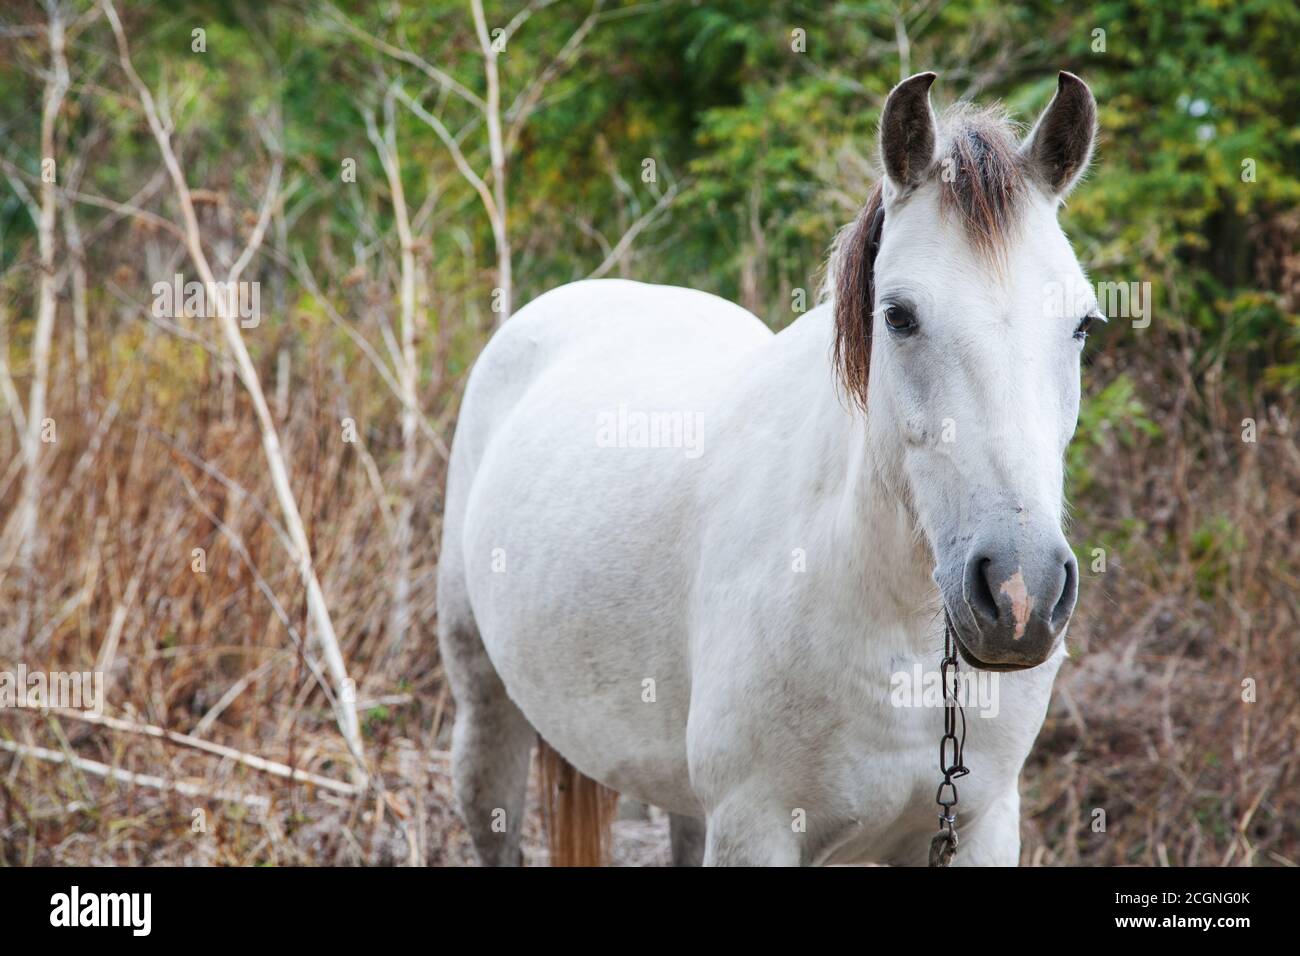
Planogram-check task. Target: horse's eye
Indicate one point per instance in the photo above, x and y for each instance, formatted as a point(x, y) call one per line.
point(1085, 324)
point(900, 318)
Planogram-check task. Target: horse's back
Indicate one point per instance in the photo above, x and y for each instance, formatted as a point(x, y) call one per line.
point(609, 333)
point(596, 307)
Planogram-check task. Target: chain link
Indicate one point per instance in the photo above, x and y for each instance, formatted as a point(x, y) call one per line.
point(943, 846)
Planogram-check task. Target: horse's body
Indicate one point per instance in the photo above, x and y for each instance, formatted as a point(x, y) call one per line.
point(714, 627)
point(766, 587)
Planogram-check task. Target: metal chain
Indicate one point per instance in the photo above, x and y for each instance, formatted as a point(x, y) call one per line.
point(943, 846)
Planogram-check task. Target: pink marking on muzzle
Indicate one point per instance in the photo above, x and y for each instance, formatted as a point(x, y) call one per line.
point(1021, 603)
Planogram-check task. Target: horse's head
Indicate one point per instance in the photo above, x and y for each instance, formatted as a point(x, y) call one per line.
point(959, 297)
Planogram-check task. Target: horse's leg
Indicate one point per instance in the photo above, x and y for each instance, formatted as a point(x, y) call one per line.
point(492, 740)
point(687, 836)
point(745, 832)
point(994, 839)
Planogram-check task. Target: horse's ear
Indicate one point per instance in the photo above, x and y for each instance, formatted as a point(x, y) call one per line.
point(908, 131)
point(1059, 147)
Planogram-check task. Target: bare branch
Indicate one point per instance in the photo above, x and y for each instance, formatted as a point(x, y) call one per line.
point(458, 157)
point(15, 174)
point(197, 743)
point(12, 173)
point(304, 275)
point(345, 710)
point(497, 155)
point(443, 79)
point(269, 202)
point(525, 103)
point(98, 769)
point(640, 225)
point(522, 17)
point(56, 87)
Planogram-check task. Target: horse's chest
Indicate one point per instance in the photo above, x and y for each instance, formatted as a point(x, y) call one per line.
point(883, 798)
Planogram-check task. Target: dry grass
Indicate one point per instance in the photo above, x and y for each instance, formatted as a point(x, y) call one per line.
point(181, 468)
point(1148, 722)
point(163, 465)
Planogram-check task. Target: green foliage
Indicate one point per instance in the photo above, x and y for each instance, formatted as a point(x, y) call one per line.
point(764, 117)
point(1213, 545)
point(1113, 414)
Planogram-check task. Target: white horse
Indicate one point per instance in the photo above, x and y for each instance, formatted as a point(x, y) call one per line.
point(693, 556)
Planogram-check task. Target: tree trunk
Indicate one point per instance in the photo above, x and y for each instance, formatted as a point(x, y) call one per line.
point(497, 153)
point(28, 544)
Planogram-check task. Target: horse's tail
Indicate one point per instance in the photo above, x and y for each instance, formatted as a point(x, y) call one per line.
point(578, 811)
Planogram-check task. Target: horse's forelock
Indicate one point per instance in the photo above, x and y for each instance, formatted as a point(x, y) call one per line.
point(982, 180)
point(985, 180)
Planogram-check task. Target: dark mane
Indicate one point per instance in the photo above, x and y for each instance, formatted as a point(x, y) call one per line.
point(982, 181)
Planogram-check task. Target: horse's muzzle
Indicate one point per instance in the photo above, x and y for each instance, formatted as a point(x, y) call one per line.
point(1017, 599)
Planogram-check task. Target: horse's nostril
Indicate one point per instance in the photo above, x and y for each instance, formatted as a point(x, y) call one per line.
point(981, 589)
point(1069, 592)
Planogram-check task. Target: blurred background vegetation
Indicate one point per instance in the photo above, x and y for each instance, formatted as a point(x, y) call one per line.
point(717, 145)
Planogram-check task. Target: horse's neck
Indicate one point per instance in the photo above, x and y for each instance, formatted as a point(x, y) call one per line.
point(872, 533)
